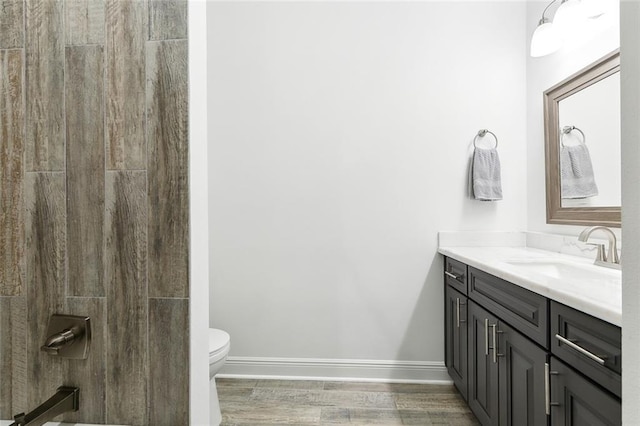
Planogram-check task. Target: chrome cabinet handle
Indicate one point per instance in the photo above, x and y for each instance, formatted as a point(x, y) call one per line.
point(486, 337)
point(547, 389)
point(495, 347)
point(580, 349)
point(449, 274)
point(458, 320)
point(495, 342)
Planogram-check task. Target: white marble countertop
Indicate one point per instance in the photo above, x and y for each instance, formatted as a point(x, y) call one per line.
point(571, 280)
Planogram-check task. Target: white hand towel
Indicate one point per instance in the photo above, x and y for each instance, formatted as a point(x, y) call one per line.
point(576, 172)
point(487, 183)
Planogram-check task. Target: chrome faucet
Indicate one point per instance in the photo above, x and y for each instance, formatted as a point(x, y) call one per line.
point(611, 259)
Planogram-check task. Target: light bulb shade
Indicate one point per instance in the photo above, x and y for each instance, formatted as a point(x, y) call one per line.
point(545, 40)
point(570, 17)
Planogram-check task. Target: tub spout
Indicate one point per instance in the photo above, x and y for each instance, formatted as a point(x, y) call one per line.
point(66, 399)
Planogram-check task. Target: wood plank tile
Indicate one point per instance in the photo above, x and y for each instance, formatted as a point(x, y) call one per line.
point(389, 387)
point(416, 417)
point(46, 277)
point(89, 374)
point(45, 144)
point(238, 414)
point(235, 383)
point(341, 399)
point(12, 23)
point(6, 367)
point(333, 415)
point(254, 423)
point(372, 416)
point(441, 402)
point(13, 368)
point(167, 19)
point(126, 280)
point(127, 26)
point(11, 173)
point(168, 362)
point(269, 404)
point(432, 418)
point(234, 394)
point(84, 22)
point(85, 169)
point(290, 384)
point(167, 95)
point(452, 418)
point(19, 330)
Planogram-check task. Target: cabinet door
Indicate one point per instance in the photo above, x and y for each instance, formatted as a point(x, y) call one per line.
point(483, 372)
point(577, 401)
point(521, 378)
point(456, 338)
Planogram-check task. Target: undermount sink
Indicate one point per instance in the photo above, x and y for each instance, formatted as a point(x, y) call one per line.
point(558, 268)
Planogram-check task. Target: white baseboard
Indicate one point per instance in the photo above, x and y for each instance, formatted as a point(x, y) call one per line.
point(336, 369)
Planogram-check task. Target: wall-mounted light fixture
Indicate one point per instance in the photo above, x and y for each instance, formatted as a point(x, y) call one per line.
point(572, 18)
point(546, 38)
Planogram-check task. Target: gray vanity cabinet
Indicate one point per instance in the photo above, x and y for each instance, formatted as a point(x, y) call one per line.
point(530, 361)
point(456, 338)
point(576, 401)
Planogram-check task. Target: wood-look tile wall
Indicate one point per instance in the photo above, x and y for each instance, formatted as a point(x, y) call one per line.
point(94, 204)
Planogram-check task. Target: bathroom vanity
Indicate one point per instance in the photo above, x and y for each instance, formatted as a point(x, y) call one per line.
point(533, 338)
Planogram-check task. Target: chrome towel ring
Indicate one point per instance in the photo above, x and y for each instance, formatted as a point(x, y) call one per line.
point(481, 134)
point(568, 129)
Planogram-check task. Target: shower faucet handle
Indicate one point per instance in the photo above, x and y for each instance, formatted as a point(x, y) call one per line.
point(69, 337)
point(57, 341)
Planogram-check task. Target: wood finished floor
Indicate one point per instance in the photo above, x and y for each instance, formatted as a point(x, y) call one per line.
point(305, 402)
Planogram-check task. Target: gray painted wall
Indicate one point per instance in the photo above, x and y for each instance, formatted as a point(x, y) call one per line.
point(340, 134)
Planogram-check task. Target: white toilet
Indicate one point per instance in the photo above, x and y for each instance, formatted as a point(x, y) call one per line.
point(219, 344)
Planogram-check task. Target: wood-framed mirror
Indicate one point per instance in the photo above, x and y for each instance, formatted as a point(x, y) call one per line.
point(582, 146)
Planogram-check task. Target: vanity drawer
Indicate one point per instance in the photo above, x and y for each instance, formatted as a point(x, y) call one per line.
point(594, 346)
point(455, 274)
point(524, 310)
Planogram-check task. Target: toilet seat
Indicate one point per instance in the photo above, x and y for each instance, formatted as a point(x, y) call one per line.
point(219, 342)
